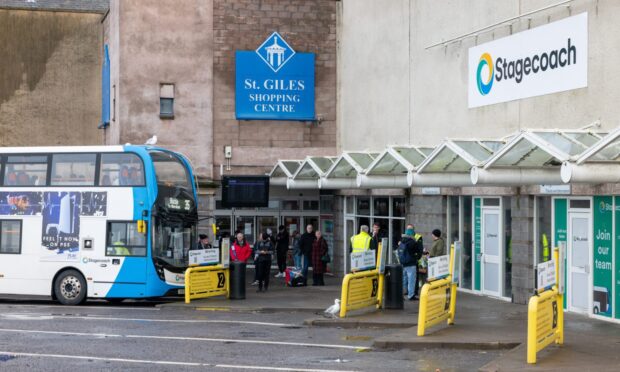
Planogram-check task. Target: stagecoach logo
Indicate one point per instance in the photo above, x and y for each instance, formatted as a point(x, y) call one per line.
point(95, 260)
point(275, 52)
point(602, 207)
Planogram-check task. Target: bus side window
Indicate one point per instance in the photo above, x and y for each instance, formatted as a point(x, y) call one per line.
point(10, 236)
point(121, 169)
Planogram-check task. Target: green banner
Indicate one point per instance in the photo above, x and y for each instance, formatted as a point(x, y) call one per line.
point(477, 242)
point(602, 212)
point(560, 230)
point(617, 249)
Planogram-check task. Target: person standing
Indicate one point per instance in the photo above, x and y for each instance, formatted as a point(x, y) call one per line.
point(409, 252)
point(240, 250)
point(305, 245)
point(439, 245)
point(376, 237)
point(282, 240)
point(360, 242)
point(264, 251)
point(319, 250)
point(203, 243)
point(296, 249)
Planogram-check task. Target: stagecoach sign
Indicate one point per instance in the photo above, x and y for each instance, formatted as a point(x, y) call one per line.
point(274, 82)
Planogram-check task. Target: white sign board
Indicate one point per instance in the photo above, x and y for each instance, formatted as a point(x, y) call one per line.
point(431, 190)
point(555, 189)
point(362, 260)
point(546, 59)
point(546, 275)
point(225, 248)
point(438, 267)
point(204, 256)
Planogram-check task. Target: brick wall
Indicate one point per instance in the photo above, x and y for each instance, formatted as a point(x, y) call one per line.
point(427, 213)
point(308, 26)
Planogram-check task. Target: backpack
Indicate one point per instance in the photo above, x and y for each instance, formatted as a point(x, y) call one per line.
point(404, 255)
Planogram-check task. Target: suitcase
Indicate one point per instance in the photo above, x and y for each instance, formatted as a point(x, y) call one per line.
point(293, 277)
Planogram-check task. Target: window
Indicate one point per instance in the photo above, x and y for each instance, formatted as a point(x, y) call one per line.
point(121, 170)
point(399, 206)
point(311, 205)
point(29, 170)
point(169, 170)
point(125, 240)
point(10, 236)
point(73, 169)
point(363, 206)
point(166, 101)
point(382, 206)
point(290, 205)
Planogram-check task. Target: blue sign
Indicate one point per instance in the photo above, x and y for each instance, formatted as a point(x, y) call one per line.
point(274, 82)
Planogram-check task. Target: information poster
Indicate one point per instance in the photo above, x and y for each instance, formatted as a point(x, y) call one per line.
point(617, 249)
point(559, 228)
point(477, 242)
point(603, 224)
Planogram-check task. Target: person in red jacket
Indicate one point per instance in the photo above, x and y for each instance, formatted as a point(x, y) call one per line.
point(240, 250)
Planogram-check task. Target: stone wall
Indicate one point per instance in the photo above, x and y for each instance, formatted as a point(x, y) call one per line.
point(427, 213)
point(308, 26)
point(522, 211)
point(50, 78)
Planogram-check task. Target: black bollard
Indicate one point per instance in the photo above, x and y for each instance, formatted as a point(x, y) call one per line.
point(237, 280)
point(394, 287)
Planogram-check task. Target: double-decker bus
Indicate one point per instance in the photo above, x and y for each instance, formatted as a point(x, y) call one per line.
point(109, 222)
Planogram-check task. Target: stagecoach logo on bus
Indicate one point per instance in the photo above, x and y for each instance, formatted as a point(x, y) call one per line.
point(274, 82)
point(547, 59)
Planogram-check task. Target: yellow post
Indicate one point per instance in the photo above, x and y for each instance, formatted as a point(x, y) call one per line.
point(556, 257)
point(422, 311)
point(381, 276)
point(532, 315)
point(187, 283)
point(344, 295)
point(452, 287)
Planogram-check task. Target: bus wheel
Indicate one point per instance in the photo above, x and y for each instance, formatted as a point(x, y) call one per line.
point(70, 288)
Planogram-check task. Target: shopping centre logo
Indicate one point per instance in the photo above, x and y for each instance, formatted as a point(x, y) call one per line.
point(503, 69)
point(485, 87)
point(275, 52)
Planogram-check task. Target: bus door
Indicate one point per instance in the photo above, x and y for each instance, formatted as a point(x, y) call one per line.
point(119, 267)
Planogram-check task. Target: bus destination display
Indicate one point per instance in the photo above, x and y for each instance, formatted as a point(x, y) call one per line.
point(177, 204)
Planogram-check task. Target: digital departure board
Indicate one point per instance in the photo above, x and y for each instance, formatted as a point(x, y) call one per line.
point(245, 192)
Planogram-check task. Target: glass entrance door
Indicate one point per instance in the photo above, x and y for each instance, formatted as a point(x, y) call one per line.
point(579, 241)
point(491, 253)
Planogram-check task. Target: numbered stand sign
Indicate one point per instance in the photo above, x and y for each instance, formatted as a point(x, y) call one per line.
point(206, 281)
point(203, 257)
point(438, 296)
point(545, 314)
point(363, 260)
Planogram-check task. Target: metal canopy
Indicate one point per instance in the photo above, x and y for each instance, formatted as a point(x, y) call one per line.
point(392, 168)
point(283, 170)
point(534, 157)
point(343, 174)
point(449, 164)
point(598, 164)
point(529, 157)
point(309, 172)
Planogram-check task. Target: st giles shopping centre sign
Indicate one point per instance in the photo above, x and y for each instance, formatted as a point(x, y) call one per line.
point(546, 59)
point(274, 82)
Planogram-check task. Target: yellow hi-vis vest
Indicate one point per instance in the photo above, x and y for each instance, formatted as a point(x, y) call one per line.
point(360, 242)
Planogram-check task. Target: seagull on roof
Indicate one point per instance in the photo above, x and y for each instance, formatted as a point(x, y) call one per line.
point(151, 141)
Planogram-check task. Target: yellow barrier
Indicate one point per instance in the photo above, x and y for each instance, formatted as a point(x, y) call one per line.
point(206, 281)
point(545, 318)
point(362, 289)
point(437, 300)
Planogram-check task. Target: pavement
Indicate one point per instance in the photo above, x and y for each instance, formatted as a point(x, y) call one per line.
point(482, 323)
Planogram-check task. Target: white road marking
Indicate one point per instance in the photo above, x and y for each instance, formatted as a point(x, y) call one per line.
point(83, 307)
point(39, 316)
point(165, 362)
point(205, 339)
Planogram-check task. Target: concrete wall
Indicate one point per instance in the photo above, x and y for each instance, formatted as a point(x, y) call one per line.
point(438, 76)
point(160, 41)
point(427, 213)
point(308, 26)
point(374, 92)
point(50, 78)
point(522, 212)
